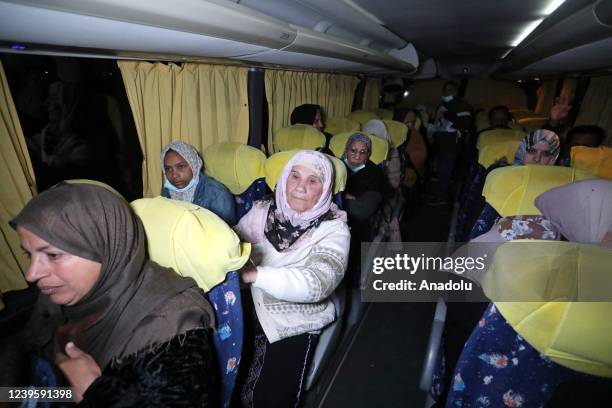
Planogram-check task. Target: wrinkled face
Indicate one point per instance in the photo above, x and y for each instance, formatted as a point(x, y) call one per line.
point(304, 188)
point(318, 121)
point(539, 153)
point(64, 277)
point(410, 120)
point(499, 119)
point(177, 170)
point(357, 153)
point(583, 139)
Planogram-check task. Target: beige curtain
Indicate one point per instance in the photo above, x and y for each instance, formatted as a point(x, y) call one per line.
point(19, 187)
point(568, 89)
point(197, 103)
point(546, 96)
point(596, 107)
point(287, 89)
point(371, 94)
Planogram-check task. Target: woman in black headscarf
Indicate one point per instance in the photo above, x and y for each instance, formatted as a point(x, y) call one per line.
point(122, 329)
point(310, 114)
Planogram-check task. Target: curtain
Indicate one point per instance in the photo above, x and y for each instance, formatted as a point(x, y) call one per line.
point(19, 187)
point(596, 107)
point(568, 89)
point(371, 94)
point(286, 90)
point(546, 96)
point(199, 104)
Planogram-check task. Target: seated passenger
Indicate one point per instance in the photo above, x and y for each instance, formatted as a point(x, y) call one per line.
point(538, 147)
point(499, 118)
point(585, 135)
point(185, 180)
point(365, 186)
point(300, 244)
point(116, 324)
point(499, 366)
point(310, 114)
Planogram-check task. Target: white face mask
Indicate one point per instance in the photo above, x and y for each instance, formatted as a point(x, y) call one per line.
point(447, 98)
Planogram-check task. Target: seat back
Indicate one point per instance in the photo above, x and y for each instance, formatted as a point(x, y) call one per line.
point(498, 135)
point(493, 152)
point(532, 123)
point(298, 136)
point(384, 114)
point(362, 117)
point(339, 125)
point(512, 190)
point(276, 163)
point(380, 147)
point(397, 131)
point(595, 160)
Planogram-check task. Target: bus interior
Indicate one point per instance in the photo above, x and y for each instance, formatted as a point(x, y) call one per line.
point(121, 78)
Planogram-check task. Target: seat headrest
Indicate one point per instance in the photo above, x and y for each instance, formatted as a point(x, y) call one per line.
point(191, 240)
point(555, 296)
point(493, 152)
point(235, 165)
point(397, 130)
point(340, 125)
point(380, 147)
point(298, 136)
point(595, 160)
point(276, 163)
point(498, 135)
point(362, 117)
point(384, 114)
point(512, 190)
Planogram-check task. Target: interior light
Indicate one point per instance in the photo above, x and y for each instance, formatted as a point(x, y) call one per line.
point(532, 26)
point(406, 93)
point(18, 47)
point(552, 6)
point(506, 53)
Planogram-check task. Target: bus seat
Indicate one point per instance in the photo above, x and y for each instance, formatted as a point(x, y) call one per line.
point(493, 152)
point(595, 160)
point(362, 117)
point(384, 114)
point(532, 123)
point(298, 136)
point(482, 120)
point(196, 243)
point(380, 147)
point(498, 135)
point(241, 169)
point(398, 132)
point(339, 125)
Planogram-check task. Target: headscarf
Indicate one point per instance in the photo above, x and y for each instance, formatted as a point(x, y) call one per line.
point(305, 114)
point(532, 139)
point(285, 225)
point(581, 211)
point(357, 137)
point(92, 222)
point(377, 127)
point(519, 227)
point(191, 156)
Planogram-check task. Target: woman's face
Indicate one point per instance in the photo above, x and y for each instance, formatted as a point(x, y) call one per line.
point(357, 153)
point(318, 121)
point(304, 188)
point(410, 120)
point(64, 277)
point(539, 153)
point(177, 170)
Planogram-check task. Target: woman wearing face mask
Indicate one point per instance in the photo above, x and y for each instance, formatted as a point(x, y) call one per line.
point(116, 324)
point(310, 114)
point(300, 244)
point(539, 147)
point(184, 180)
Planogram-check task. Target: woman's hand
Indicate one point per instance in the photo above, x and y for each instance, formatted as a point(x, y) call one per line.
point(559, 110)
point(348, 196)
point(248, 273)
point(79, 368)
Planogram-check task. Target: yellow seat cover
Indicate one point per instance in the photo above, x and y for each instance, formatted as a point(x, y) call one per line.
point(595, 160)
point(362, 117)
point(191, 240)
point(235, 165)
point(498, 135)
point(397, 130)
point(384, 114)
point(512, 190)
point(552, 286)
point(298, 136)
point(493, 152)
point(380, 147)
point(340, 125)
point(276, 163)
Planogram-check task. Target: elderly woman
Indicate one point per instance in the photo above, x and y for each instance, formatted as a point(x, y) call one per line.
point(538, 147)
point(116, 324)
point(497, 364)
point(300, 243)
point(311, 114)
point(184, 180)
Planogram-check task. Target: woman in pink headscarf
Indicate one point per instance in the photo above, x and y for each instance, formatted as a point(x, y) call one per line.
point(300, 244)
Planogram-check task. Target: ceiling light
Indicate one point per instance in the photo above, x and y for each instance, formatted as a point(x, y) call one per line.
point(552, 6)
point(506, 53)
point(532, 26)
point(363, 11)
